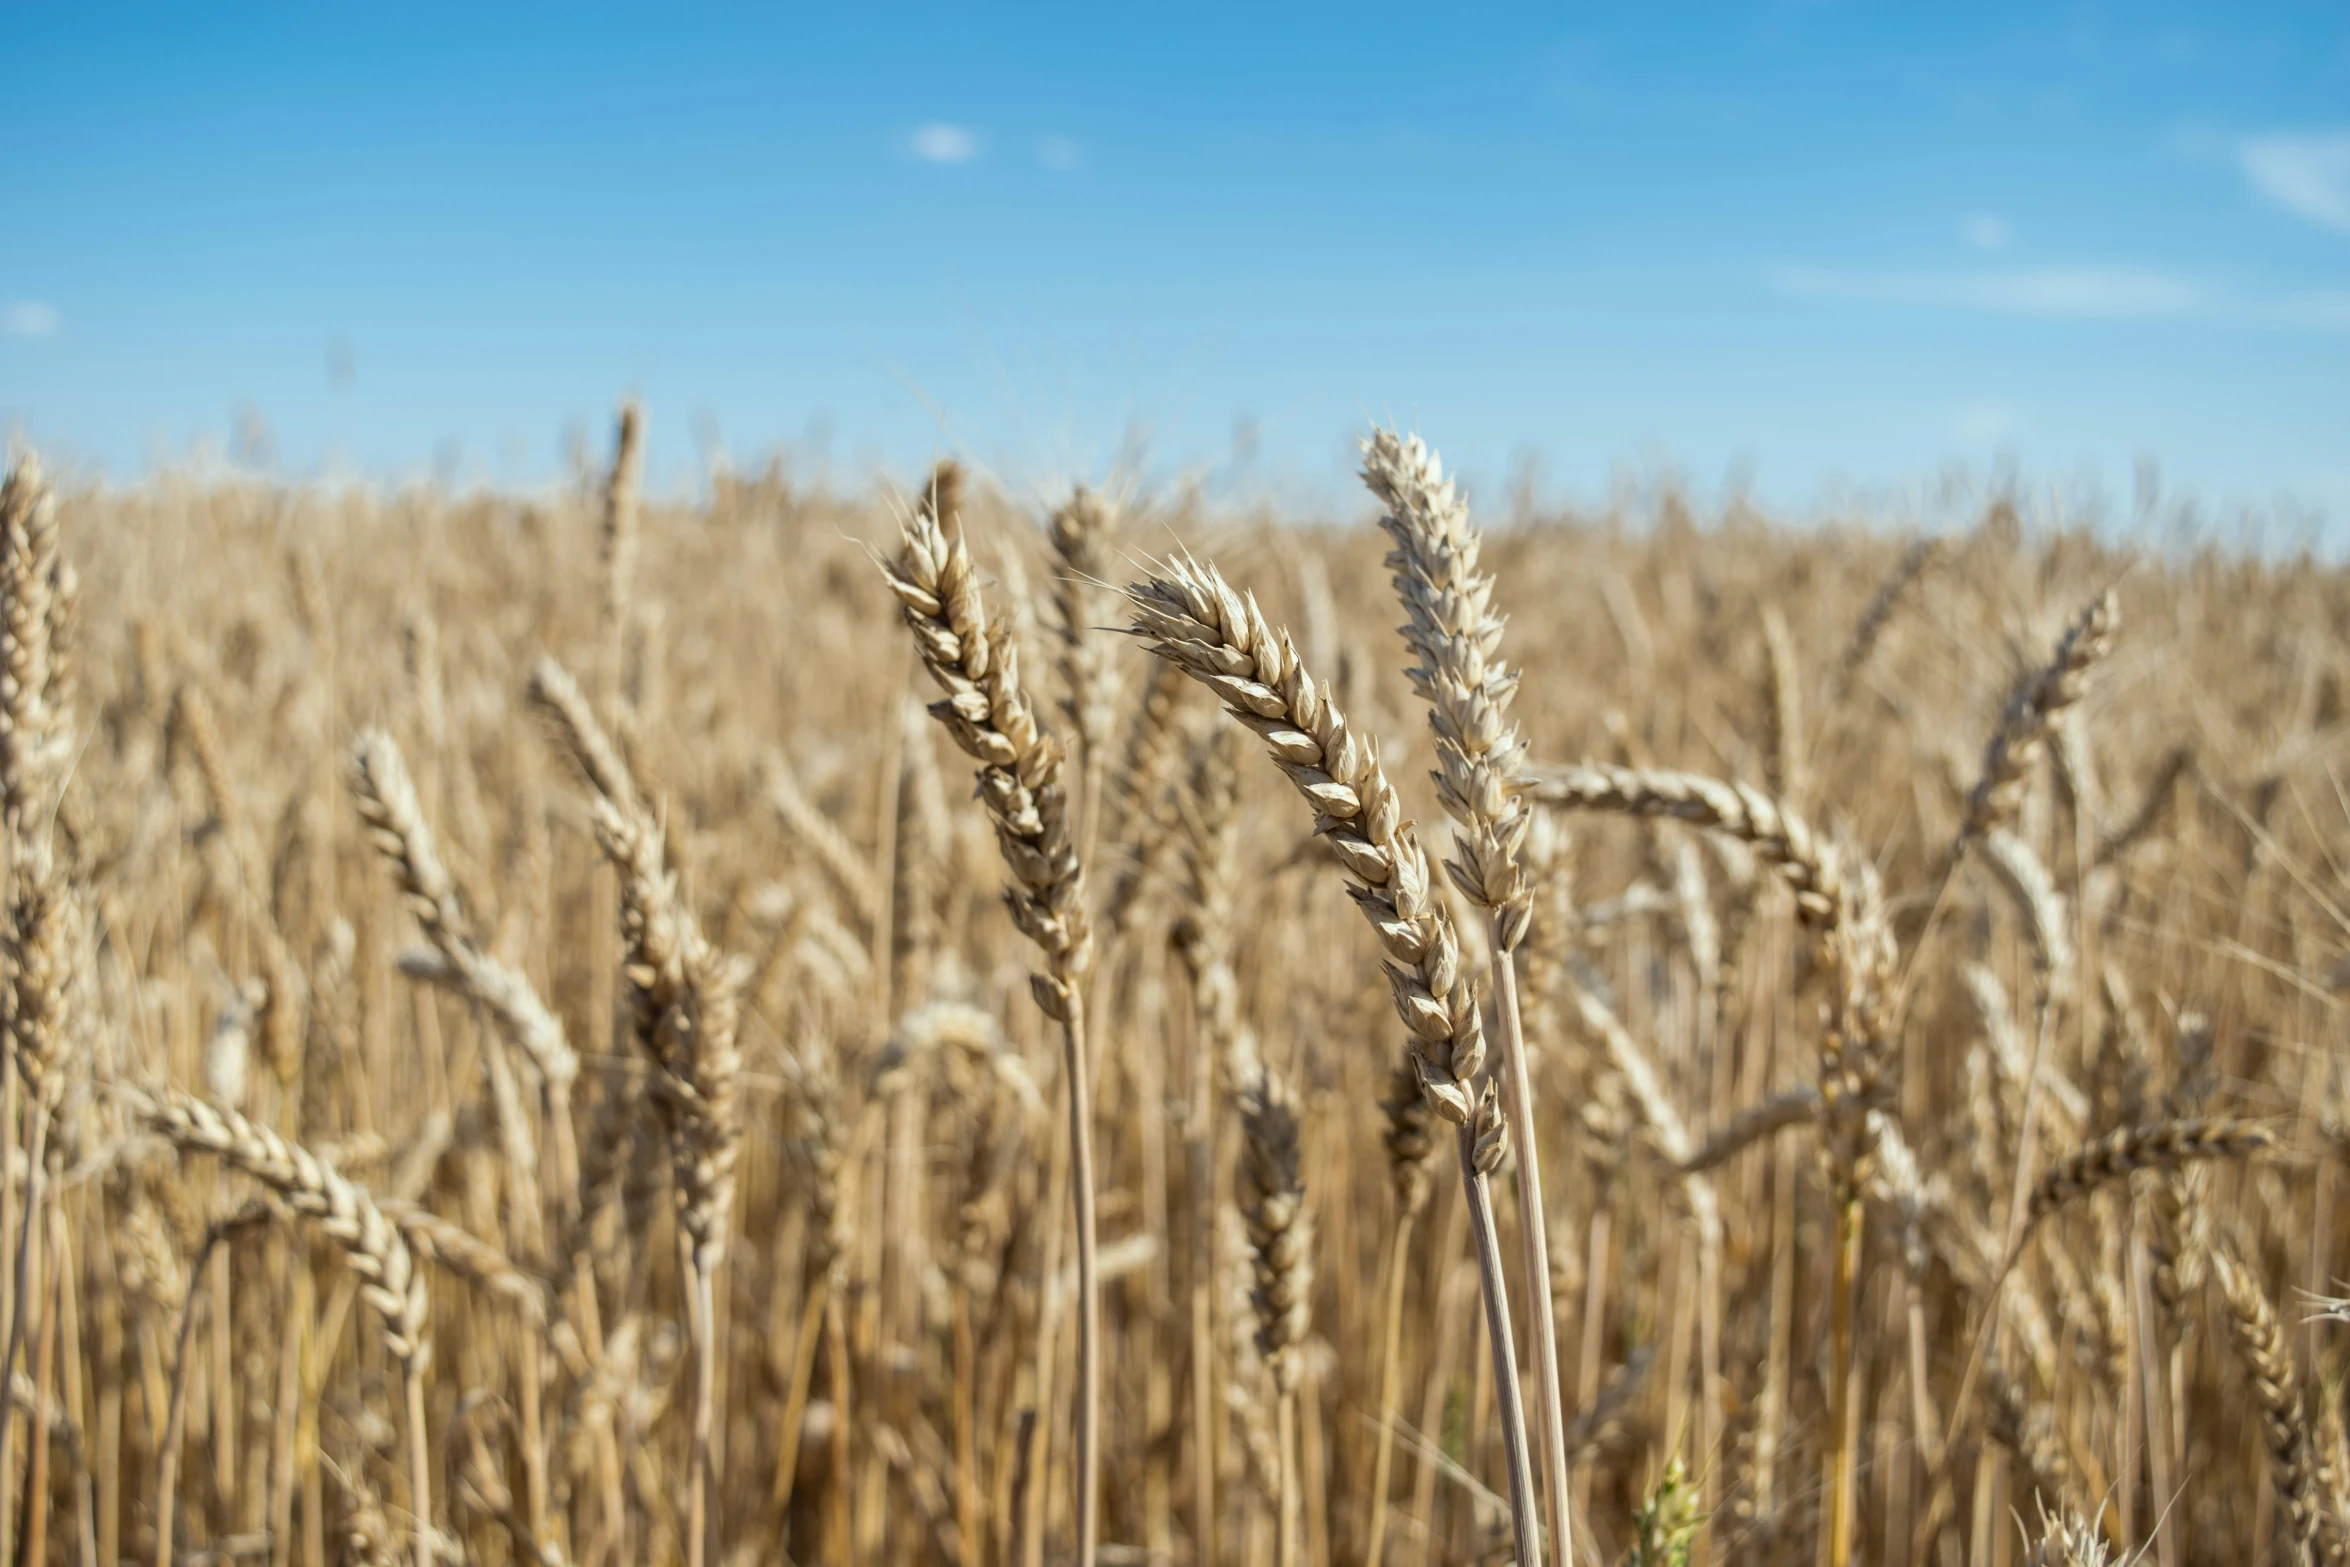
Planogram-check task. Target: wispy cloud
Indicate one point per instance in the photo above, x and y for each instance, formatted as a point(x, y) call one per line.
point(2308, 176)
point(2327, 309)
point(30, 318)
point(1060, 153)
point(1982, 424)
point(2029, 291)
point(939, 142)
point(1985, 230)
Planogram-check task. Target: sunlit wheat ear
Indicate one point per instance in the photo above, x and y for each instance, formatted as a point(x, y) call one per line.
point(1778, 836)
point(683, 992)
point(387, 802)
point(38, 946)
point(1198, 623)
point(558, 699)
point(371, 1244)
point(1454, 632)
point(1024, 784)
point(345, 1210)
point(30, 736)
point(1082, 531)
point(2032, 710)
point(987, 711)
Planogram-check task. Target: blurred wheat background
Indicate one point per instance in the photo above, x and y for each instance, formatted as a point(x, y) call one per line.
point(519, 1049)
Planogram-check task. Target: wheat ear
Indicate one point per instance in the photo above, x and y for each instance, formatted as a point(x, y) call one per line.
point(619, 540)
point(371, 1244)
point(1081, 531)
point(1281, 1256)
point(1191, 617)
point(1023, 785)
point(2154, 1145)
point(1914, 562)
point(1454, 632)
point(387, 802)
point(2032, 711)
point(29, 742)
point(1778, 836)
point(2276, 1390)
point(684, 994)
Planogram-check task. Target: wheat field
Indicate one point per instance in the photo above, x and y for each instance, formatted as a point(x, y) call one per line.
point(817, 1028)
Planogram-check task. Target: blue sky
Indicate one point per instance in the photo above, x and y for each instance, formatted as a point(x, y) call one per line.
point(1815, 245)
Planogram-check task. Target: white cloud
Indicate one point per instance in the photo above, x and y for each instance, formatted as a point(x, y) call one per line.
point(2324, 309)
point(1059, 152)
point(2308, 176)
point(939, 142)
point(30, 318)
point(1982, 424)
point(1985, 230)
point(2032, 291)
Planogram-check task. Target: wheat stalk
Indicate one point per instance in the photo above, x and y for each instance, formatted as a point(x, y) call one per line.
point(684, 993)
point(1193, 619)
point(1455, 632)
point(684, 996)
point(1022, 785)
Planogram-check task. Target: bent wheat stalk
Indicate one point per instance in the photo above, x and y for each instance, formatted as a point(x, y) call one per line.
point(1191, 617)
point(1454, 630)
point(371, 1244)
